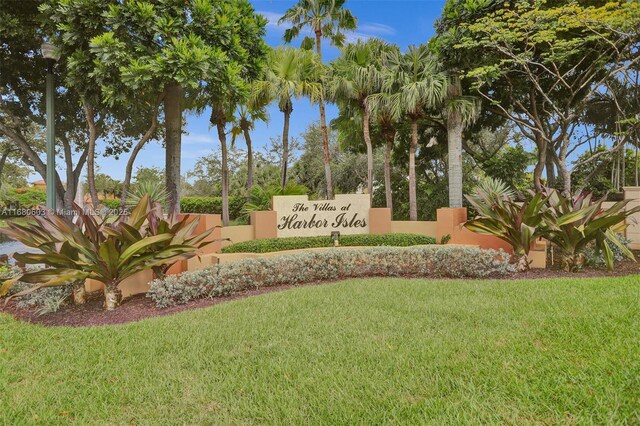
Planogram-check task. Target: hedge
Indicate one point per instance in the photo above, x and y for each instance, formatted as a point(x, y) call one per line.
point(313, 266)
point(111, 203)
point(212, 205)
point(268, 245)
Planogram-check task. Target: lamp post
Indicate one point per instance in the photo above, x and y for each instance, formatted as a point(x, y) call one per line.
point(52, 56)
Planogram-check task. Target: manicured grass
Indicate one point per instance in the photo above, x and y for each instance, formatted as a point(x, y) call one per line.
point(373, 351)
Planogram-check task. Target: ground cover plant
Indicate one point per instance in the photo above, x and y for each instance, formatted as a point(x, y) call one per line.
point(318, 266)
point(366, 350)
point(267, 245)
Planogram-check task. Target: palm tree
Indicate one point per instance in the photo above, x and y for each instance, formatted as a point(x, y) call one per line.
point(382, 114)
point(291, 73)
point(356, 76)
point(415, 85)
point(244, 121)
point(221, 114)
point(326, 19)
point(459, 112)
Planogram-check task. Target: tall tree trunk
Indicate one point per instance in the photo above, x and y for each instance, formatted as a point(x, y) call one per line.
point(413, 203)
point(91, 157)
point(173, 142)
point(285, 146)
point(563, 169)
point(390, 137)
point(225, 172)
point(550, 168)
point(323, 128)
point(247, 138)
point(70, 190)
point(3, 161)
point(31, 156)
point(540, 164)
point(367, 141)
point(454, 138)
point(126, 184)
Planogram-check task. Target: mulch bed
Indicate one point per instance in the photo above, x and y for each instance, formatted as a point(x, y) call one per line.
point(139, 307)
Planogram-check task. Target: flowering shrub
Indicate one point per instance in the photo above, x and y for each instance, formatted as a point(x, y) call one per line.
point(300, 268)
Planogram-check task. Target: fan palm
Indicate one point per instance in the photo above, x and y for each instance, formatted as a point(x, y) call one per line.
point(326, 19)
point(355, 76)
point(244, 121)
point(415, 85)
point(291, 73)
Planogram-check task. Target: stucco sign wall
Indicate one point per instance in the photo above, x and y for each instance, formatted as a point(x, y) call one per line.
point(297, 216)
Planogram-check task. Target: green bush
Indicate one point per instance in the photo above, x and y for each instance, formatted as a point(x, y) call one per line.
point(268, 245)
point(307, 267)
point(24, 198)
point(111, 203)
point(212, 205)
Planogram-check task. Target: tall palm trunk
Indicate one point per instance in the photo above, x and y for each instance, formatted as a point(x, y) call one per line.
point(89, 113)
point(390, 136)
point(247, 138)
point(413, 203)
point(173, 142)
point(454, 138)
point(225, 172)
point(323, 128)
point(285, 144)
point(367, 141)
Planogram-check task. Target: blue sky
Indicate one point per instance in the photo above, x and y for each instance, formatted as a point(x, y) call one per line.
point(403, 22)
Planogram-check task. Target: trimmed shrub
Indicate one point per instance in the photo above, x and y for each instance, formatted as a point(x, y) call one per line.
point(268, 245)
point(111, 203)
point(212, 205)
point(24, 198)
point(300, 268)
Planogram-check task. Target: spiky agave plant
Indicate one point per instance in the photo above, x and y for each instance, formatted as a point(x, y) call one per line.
point(156, 190)
point(84, 246)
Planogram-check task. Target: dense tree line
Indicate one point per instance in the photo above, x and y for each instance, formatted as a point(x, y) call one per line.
point(534, 93)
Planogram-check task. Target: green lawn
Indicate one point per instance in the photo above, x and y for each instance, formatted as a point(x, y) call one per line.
point(374, 351)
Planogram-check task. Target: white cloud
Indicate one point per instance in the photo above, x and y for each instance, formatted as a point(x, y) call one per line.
point(376, 28)
point(272, 19)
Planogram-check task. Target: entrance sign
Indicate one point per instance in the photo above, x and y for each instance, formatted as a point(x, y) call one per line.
point(297, 216)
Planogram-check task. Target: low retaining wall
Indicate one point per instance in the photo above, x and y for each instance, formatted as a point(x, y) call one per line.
point(263, 225)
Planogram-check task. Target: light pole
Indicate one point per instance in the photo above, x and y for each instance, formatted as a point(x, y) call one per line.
point(51, 55)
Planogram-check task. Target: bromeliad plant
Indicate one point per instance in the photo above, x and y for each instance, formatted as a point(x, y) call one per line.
point(85, 246)
point(498, 214)
point(575, 222)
